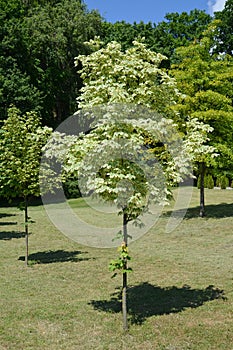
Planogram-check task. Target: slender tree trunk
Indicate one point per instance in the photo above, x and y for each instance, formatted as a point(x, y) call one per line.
point(202, 191)
point(124, 290)
point(26, 228)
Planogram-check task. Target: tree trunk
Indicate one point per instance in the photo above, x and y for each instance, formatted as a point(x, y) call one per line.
point(202, 191)
point(26, 228)
point(124, 290)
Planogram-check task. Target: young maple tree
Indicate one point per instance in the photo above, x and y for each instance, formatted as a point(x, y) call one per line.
point(132, 153)
point(21, 140)
point(116, 163)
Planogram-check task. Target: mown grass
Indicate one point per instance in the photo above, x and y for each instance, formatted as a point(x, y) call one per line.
point(180, 293)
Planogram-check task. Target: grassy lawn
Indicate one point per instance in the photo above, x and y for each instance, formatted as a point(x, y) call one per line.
point(180, 293)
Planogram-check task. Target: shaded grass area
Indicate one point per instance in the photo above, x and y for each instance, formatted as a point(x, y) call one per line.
point(7, 235)
point(146, 300)
point(216, 211)
point(52, 256)
point(180, 294)
point(5, 215)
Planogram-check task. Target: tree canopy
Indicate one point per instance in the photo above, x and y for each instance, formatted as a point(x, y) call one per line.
point(177, 29)
point(39, 41)
point(111, 75)
point(21, 142)
point(206, 80)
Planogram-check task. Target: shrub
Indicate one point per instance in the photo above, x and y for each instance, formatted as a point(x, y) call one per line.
point(208, 181)
point(223, 182)
point(71, 188)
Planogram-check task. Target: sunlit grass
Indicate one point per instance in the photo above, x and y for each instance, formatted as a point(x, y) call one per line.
point(180, 293)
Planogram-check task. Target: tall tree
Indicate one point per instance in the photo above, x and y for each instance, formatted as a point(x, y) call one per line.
point(15, 84)
point(206, 80)
point(21, 142)
point(53, 35)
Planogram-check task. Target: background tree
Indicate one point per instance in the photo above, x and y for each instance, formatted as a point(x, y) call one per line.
point(224, 37)
point(206, 80)
point(39, 41)
point(15, 84)
point(21, 141)
point(180, 29)
point(53, 35)
point(120, 31)
point(176, 30)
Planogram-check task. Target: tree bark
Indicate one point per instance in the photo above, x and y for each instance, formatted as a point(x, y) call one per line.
point(124, 289)
point(26, 228)
point(202, 190)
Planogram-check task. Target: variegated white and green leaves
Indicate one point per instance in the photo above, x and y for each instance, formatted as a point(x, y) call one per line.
point(111, 75)
point(125, 155)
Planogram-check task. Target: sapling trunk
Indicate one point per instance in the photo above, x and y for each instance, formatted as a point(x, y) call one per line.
point(202, 190)
point(124, 282)
point(26, 228)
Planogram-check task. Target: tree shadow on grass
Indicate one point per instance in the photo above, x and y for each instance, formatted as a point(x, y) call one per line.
point(6, 223)
point(6, 215)
point(146, 300)
point(216, 211)
point(8, 235)
point(54, 256)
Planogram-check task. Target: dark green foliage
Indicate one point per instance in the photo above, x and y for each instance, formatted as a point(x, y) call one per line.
point(15, 84)
point(39, 40)
point(180, 30)
point(224, 40)
point(121, 32)
point(17, 89)
point(38, 43)
point(54, 35)
point(71, 188)
point(176, 30)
